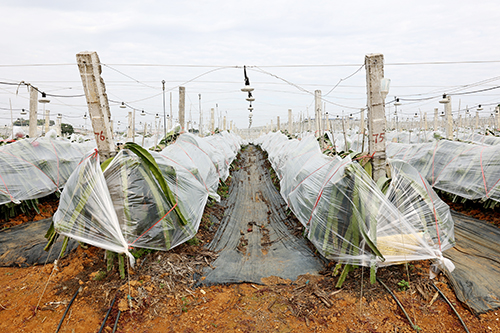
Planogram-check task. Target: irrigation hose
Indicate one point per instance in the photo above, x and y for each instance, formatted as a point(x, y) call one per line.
point(67, 309)
point(452, 307)
point(116, 321)
point(107, 313)
point(400, 305)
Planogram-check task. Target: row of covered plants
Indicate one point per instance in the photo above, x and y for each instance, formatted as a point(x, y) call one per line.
point(353, 220)
point(144, 199)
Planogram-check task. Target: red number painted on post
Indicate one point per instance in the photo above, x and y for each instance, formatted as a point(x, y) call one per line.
point(379, 137)
point(100, 136)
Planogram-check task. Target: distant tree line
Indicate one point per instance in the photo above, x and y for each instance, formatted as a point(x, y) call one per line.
point(66, 129)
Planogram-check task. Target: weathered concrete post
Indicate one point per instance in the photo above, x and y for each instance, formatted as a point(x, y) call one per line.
point(374, 64)
point(290, 122)
point(130, 131)
point(278, 125)
point(497, 117)
point(97, 101)
point(317, 112)
point(144, 133)
point(449, 117)
point(224, 123)
point(182, 104)
point(212, 120)
point(58, 125)
point(33, 131)
point(47, 120)
point(476, 125)
point(435, 119)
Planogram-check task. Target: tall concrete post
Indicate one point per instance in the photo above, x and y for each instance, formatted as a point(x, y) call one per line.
point(290, 122)
point(33, 131)
point(374, 64)
point(497, 117)
point(278, 125)
point(47, 120)
point(97, 102)
point(224, 124)
point(130, 130)
point(58, 126)
point(435, 119)
point(449, 117)
point(476, 126)
point(144, 133)
point(182, 105)
point(212, 120)
point(317, 112)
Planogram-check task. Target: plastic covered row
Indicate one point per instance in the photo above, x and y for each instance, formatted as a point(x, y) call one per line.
point(127, 206)
point(348, 218)
point(35, 168)
point(467, 170)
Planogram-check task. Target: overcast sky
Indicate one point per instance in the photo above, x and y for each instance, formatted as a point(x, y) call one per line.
point(291, 48)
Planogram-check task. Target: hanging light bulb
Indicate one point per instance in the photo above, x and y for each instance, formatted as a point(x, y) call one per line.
point(416, 115)
point(122, 106)
point(397, 102)
point(479, 108)
point(143, 113)
point(444, 100)
point(59, 116)
point(250, 98)
point(44, 99)
point(23, 112)
point(85, 116)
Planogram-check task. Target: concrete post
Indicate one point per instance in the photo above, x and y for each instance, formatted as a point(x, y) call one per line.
point(476, 126)
point(374, 64)
point(290, 122)
point(278, 123)
point(171, 118)
point(47, 120)
point(497, 117)
point(97, 101)
point(212, 120)
point(144, 133)
point(224, 123)
point(449, 119)
point(33, 130)
point(182, 104)
point(317, 112)
point(156, 132)
point(133, 126)
point(58, 126)
point(130, 131)
point(435, 119)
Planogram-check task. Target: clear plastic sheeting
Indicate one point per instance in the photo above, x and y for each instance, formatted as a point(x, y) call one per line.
point(349, 219)
point(35, 168)
point(125, 206)
point(467, 170)
point(86, 212)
